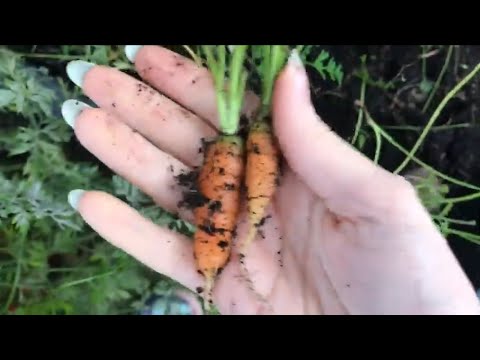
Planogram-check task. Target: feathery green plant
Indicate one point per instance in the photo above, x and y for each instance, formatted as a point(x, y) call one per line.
point(50, 262)
point(323, 63)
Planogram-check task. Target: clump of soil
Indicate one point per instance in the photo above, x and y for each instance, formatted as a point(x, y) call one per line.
point(192, 198)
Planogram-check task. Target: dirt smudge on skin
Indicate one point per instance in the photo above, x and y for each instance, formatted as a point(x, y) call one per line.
point(185, 113)
point(262, 221)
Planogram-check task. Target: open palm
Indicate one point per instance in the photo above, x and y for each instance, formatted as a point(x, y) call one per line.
point(342, 236)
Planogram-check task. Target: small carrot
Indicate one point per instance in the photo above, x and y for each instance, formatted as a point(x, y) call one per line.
point(219, 182)
point(261, 176)
point(221, 174)
point(263, 155)
point(262, 170)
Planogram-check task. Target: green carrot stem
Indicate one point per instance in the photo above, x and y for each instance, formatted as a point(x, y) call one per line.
point(273, 59)
point(229, 99)
point(238, 80)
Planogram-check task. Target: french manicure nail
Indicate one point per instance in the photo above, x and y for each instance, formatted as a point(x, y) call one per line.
point(77, 69)
point(74, 197)
point(71, 109)
point(131, 51)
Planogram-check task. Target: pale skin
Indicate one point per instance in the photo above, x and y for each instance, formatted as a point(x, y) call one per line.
point(344, 237)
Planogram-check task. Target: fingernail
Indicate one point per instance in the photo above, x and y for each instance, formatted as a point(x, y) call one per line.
point(295, 63)
point(131, 51)
point(77, 69)
point(74, 197)
point(295, 60)
point(71, 109)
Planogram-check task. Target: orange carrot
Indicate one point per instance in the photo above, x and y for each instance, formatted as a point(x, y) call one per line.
point(222, 172)
point(261, 176)
point(263, 155)
point(262, 172)
point(219, 183)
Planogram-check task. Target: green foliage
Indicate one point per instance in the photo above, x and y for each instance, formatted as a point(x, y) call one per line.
point(269, 60)
point(324, 63)
point(429, 188)
point(50, 261)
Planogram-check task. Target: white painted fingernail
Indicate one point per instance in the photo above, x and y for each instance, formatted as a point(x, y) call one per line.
point(131, 51)
point(295, 60)
point(77, 69)
point(298, 70)
point(74, 197)
point(71, 109)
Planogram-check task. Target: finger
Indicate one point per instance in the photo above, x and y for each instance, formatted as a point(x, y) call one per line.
point(162, 250)
point(182, 80)
point(351, 184)
point(167, 125)
point(128, 154)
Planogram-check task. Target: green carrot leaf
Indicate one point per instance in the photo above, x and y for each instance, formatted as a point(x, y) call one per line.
point(229, 98)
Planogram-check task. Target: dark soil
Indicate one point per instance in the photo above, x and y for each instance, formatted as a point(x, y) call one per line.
point(192, 198)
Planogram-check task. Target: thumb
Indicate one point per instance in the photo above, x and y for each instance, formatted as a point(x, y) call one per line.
point(349, 182)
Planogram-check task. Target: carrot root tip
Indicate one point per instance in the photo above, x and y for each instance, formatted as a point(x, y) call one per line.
point(251, 286)
point(208, 291)
point(252, 232)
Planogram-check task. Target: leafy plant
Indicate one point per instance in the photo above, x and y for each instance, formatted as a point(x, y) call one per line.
point(50, 261)
point(324, 63)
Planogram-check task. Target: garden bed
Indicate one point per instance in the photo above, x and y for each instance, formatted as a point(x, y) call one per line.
point(51, 263)
point(401, 79)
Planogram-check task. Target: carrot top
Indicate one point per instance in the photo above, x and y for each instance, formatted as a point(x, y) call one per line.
point(229, 97)
point(272, 58)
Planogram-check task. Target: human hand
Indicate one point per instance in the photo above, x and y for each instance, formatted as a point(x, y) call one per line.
point(344, 236)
